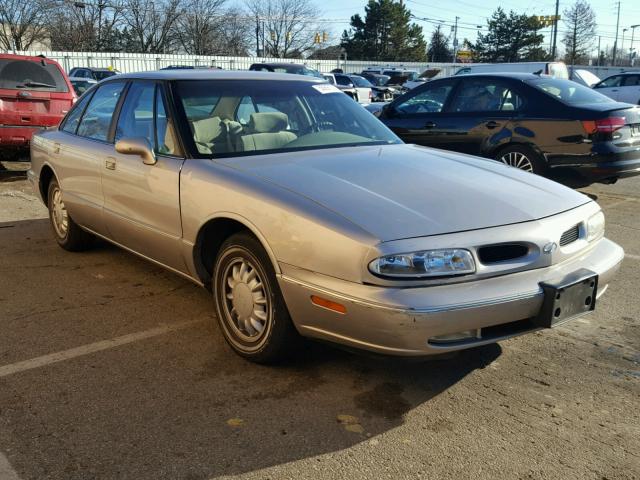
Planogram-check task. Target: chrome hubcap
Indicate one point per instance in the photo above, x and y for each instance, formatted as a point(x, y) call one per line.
point(517, 160)
point(247, 303)
point(59, 214)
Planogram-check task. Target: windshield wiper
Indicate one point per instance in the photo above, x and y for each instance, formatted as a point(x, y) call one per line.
point(35, 85)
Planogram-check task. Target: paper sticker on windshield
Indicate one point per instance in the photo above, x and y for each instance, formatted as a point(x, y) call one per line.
point(326, 88)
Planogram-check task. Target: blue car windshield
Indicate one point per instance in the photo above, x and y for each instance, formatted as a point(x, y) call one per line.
point(248, 117)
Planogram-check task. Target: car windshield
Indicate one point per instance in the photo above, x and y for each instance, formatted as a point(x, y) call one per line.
point(31, 75)
point(102, 74)
point(379, 81)
point(569, 92)
point(245, 117)
point(361, 82)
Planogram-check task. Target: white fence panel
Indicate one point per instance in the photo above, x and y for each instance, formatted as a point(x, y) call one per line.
point(137, 62)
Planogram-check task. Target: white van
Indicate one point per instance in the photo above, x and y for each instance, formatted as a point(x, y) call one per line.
point(553, 69)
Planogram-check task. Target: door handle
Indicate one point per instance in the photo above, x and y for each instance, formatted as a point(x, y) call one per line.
point(491, 124)
point(110, 163)
point(429, 125)
point(56, 147)
point(614, 90)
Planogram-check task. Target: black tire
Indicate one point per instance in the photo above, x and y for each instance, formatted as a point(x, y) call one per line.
point(70, 236)
point(251, 313)
point(513, 156)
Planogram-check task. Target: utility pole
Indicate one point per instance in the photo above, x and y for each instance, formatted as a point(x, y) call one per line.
point(258, 36)
point(455, 41)
point(633, 31)
point(599, 37)
point(555, 31)
point(615, 43)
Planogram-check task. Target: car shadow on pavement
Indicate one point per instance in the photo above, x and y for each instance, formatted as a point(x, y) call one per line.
point(179, 405)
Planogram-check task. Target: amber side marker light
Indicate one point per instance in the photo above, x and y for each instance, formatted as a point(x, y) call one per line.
point(323, 302)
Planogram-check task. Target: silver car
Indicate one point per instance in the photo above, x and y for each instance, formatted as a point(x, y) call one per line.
point(305, 216)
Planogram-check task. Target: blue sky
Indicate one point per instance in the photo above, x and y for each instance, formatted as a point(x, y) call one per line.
point(336, 14)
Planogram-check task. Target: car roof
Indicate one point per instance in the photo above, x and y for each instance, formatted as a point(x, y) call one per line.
point(283, 64)
point(514, 75)
point(95, 69)
point(196, 74)
point(33, 58)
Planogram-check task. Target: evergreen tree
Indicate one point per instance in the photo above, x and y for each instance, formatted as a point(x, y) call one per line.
point(511, 38)
point(580, 21)
point(439, 50)
point(386, 34)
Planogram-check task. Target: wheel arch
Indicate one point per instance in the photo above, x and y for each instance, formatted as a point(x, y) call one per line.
point(213, 232)
point(515, 143)
point(47, 173)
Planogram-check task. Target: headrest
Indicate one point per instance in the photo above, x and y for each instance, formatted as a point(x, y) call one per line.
point(207, 129)
point(268, 122)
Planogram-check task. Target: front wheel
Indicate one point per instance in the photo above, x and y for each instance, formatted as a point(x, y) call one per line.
point(523, 158)
point(67, 233)
point(250, 308)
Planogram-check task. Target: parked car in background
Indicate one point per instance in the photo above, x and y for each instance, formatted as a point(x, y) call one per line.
point(549, 126)
point(553, 69)
point(357, 88)
point(191, 67)
point(294, 68)
point(97, 74)
point(382, 92)
point(584, 77)
point(313, 219)
point(81, 85)
point(35, 93)
point(409, 78)
point(623, 87)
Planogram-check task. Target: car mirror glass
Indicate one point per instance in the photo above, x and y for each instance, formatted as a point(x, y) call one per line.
point(137, 146)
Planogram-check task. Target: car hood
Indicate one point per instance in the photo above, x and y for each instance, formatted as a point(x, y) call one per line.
point(404, 191)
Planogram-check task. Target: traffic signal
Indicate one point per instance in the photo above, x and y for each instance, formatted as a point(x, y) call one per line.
point(325, 37)
point(316, 38)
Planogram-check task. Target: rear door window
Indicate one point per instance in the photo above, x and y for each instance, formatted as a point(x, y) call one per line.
point(631, 81)
point(73, 119)
point(31, 75)
point(96, 120)
point(485, 95)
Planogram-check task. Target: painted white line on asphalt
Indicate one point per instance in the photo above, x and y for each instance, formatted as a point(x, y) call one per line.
point(6, 470)
point(90, 348)
point(631, 256)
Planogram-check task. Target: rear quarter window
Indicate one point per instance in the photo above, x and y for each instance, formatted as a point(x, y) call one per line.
point(31, 75)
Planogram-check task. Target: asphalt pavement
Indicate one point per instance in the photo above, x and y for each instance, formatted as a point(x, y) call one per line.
point(113, 368)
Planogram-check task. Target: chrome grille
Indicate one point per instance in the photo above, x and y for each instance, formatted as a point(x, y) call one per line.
point(570, 235)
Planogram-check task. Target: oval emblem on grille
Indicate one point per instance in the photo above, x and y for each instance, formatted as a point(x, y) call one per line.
point(550, 247)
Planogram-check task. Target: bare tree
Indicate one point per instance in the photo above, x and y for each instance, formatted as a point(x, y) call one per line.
point(85, 26)
point(23, 23)
point(235, 34)
point(288, 26)
point(199, 25)
point(580, 21)
point(151, 23)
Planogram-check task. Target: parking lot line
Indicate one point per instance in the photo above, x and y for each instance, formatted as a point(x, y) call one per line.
point(6, 470)
point(88, 349)
point(631, 256)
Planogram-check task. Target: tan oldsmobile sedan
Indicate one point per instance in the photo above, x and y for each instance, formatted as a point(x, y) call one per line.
point(305, 216)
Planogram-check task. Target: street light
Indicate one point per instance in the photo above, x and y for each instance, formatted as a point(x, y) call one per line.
point(622, 44)
point(633, 31)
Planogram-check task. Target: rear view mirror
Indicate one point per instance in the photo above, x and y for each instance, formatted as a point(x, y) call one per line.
point(137, 146)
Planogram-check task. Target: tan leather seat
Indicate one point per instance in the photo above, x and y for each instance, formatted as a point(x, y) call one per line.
point(268, 132)
point(206, 133)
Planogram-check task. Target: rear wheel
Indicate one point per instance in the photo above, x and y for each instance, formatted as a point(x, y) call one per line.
point(250, 308)
point(523, 158)
point(67, 232)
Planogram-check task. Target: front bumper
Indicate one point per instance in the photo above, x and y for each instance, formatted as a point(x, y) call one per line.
point(402, 321)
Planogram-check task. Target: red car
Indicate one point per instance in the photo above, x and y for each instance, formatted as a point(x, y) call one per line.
point(35, 93)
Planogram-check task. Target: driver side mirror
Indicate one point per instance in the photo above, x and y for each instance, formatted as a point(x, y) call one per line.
point(137, 146)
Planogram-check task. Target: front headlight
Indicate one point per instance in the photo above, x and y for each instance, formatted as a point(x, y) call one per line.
point(428, 263)
point(595, 226)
